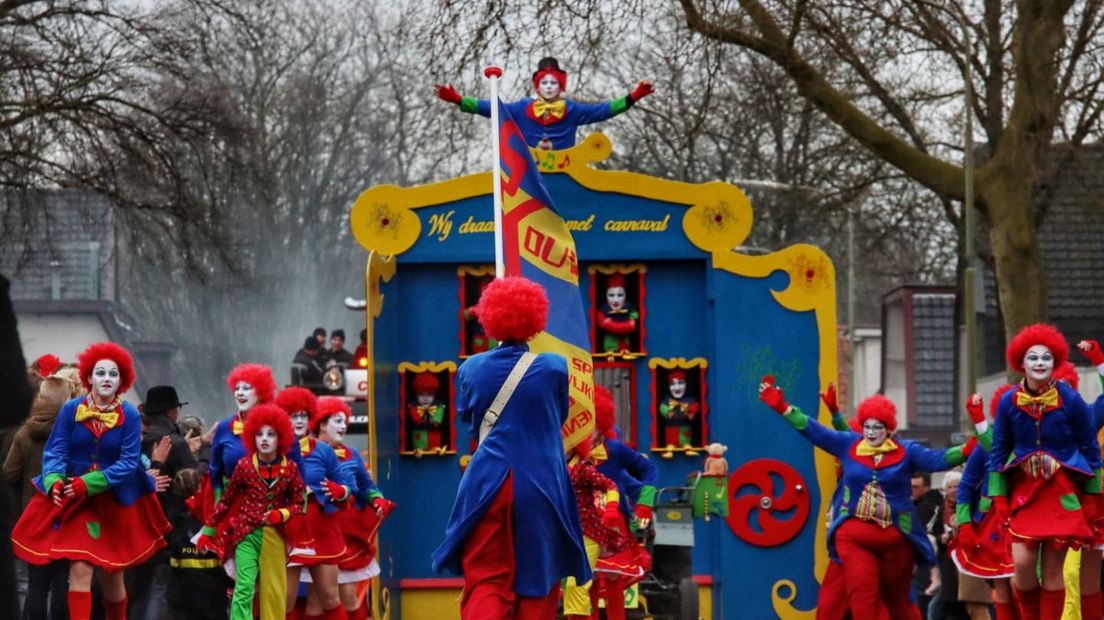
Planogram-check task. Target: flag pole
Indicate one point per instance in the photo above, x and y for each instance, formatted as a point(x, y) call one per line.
point(493, 73)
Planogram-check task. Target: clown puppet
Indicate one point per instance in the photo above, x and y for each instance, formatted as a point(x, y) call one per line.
point(549, 120)
point(254, 520)
point(95, 505)
point(426, 415)
point(617, 318)
point(679, 413)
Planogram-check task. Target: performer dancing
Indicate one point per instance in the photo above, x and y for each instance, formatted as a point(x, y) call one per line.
point(1092, 603)
point(360, 519)
point(514, 530)
point(327, 486)
point(1045, 461)
point(251, 520)
point(549, 121)
point(252, 385)
point(96, 506)
point(873, 536)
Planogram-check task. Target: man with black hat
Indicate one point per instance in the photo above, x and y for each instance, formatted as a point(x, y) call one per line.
point(306, 368)
point(338, 354)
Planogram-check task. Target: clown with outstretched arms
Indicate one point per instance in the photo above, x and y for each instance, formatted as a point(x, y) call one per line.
point(617, 317)
point(514, 530)
point(253, 521)
point(1044, 470)
point(95, 505)
point(251, 384)
point(1091, 599)
point(360, 518)
point(426, 415)
point(679, 410)
point(549, 120)
point(874, 534)
point(327, 487)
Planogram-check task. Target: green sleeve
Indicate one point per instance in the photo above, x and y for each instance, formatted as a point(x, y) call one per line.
point(208, 530)
point(665, 410)
point(49, 479)
point(218, 494)
point(997, 486)
point(1092, 485)
point(986, 438)
point(373, 494)
point(619, 105)
point(647, 496)
point(962, 514)
point(1101, 377)
point(839, 422)
point(797, 418)
point(438, 415)
point(95, 482)
point(955, 456)
point(469, 105)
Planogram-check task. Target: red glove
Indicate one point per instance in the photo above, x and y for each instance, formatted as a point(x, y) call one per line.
point(772, 395)
point(447, 93)
point(383, 505)
point(1091, 350)
point(57, 491)
point(337, 492)
point(969, 447)
point(617, 327)
point(642, 512)
point(611, 517)
point(830, 399)
point(205, 543)
point(274, 517)
point(642, 90)
point(79, 489)
point(975, 408)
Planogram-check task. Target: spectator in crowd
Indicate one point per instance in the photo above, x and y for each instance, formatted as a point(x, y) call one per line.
point(198, 586)
point(191, 426)
point(47, 583)
point(338, 354)
point(927, 502)
point(945, 604)
point(319, 334)
point(306, 369)
point(362, 348)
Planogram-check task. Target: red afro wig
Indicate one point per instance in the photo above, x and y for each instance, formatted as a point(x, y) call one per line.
point(604, 408)
point(1039, 333)
point(426, 383)
point(513, 309)
point(616, 280)
point(994, 403)
point(1067, 372)
point(47, 365)
point(676, 374)
point(86, 361)
point(257, 375)
point(329, 406)
point(267, 415)
point(853, 424)
point(295, 399)
point(880, 408)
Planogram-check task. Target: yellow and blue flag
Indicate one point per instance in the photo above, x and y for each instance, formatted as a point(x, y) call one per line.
point(537, 245)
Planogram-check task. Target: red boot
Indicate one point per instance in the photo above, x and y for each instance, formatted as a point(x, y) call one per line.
point(360, 613)
point(1006, 611)
point(1051, 604)
point(1027, 601)
point(115, 610)
point(80, 605)
point(1092, 606)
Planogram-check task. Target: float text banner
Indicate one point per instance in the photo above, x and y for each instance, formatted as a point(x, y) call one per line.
point(537, 245)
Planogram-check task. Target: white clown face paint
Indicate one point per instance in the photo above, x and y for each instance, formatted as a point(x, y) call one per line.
point(300, 422)
point(874, 432)
point(334, 428)
point(1038, 364)
point(105, 379)
point(266, 440)
point(678, 388)
point(426, 399)
point(245, 396)
point(548, 87)
point(615, 297)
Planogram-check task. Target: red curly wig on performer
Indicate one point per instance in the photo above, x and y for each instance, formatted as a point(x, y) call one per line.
point(268, 415)
point(1067, 372)
point(1039, 333)
point(257, 375)
point(426, 383)
point(513, 309)
point(604, 408)
point(47, 365)
point(86, 361)
point(295, 399)
point(329, 406)
point(994, 403)
point(880, 408)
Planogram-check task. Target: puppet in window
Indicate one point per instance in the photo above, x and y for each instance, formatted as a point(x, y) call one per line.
point(618, 318)
point(679, 413)
point(426, 415)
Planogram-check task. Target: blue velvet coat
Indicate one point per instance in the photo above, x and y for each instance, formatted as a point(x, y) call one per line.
point(226, 451)
point(630, 470)
point(319, 464)
point(973, 489)
point(364, 488)
point(894, 475)
point(562, 132)
point(73, 449)
point(526, 442)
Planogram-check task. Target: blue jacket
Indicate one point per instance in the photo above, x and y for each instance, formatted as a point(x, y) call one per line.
point(973, 490)
point(632, 472)
point(1066, 431)
point(894, 476)
point(73, 450)
point(527, 446)
point(226, 451)
point(364, 488)
point(562, 132)
point(320, 464)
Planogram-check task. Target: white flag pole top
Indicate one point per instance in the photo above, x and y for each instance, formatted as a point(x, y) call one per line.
point(493, 73)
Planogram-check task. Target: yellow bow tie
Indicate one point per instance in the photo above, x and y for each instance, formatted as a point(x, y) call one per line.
point(1047, 399)
point(341, 452)
point(865, 449)
point(426, 409)
point(556, 109)
point(237, 426)
point(107, 418)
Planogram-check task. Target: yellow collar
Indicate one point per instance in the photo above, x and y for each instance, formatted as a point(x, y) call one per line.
point(865, 449)
point(556, 109)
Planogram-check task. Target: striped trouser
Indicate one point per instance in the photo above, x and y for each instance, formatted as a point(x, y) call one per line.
point(577, 597)
point(261, 560)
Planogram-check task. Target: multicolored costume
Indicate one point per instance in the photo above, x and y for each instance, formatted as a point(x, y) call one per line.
point(618, 325)
point(597, 499)
point(678, 416)
point(426, 421)
point(119, 523)
point(359, 519)
point(318, 465)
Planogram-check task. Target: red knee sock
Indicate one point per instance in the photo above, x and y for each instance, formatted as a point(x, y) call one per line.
point(80, 605)
point(337, 613)
point(360, 613)
point(1092, 606)
point(1006, 611)
point(1027, 601)
point(1051, 604)
point(115, 610)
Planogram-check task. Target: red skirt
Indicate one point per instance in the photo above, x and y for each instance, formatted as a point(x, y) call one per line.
point(631, 564)
point(360, 527)
point(329, 543)
point(1048, 509)
point(984, 549)
point(98, 530)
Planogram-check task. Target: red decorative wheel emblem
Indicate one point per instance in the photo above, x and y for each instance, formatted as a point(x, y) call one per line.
point(756, 514)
